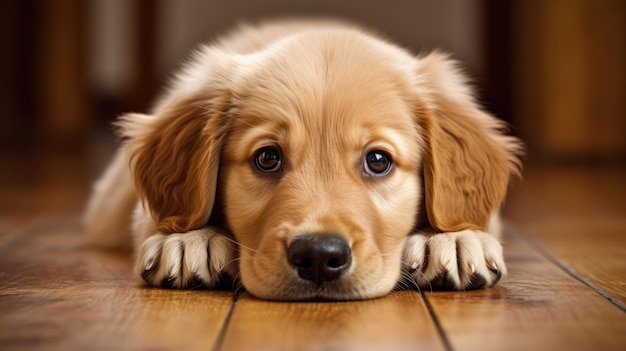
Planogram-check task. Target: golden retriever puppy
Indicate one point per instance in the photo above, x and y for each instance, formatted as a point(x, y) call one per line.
point(310, 160)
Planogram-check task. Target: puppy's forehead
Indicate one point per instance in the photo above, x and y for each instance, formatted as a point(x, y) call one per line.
point(327, 79)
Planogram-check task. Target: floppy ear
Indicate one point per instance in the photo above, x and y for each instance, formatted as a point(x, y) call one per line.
point(175, 153)
point(174, 158)
point(468, 160)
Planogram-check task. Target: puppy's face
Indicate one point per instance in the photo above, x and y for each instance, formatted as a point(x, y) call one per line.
point(310, 153)
point(319, 172)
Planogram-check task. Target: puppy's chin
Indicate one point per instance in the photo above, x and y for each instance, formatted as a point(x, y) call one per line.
point(330, 291)
point(323, 294)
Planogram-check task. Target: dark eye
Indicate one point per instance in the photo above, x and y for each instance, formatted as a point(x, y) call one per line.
point(377, 163)
point(268, 160)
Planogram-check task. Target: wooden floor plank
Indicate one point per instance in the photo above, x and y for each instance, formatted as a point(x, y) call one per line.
point(600, 263)
point(537, 307)
point(399, 321)
point(578, 214)
point(55, 294)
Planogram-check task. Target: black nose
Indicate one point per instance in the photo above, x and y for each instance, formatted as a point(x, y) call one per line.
point(319, 258)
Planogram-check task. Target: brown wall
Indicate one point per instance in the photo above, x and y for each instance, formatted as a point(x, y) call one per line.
point(569, 65)
point(555, 68)
point(78, 64)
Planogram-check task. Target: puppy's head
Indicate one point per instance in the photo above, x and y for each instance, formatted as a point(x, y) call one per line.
point(311, 152)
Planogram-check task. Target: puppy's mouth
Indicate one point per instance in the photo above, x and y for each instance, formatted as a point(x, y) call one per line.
point(320, 267)
point(307, 291)
point(325, 292)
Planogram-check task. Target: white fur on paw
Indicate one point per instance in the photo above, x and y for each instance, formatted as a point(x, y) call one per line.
point(457, 261)
point(185, 260)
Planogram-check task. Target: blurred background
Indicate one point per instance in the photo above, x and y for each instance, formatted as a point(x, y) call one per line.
point(554, 69)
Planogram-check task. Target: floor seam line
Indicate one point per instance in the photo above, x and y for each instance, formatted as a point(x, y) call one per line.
point(550, 257)
point(438, 327)
point(219, 341)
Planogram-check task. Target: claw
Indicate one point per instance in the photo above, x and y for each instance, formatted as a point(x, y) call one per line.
point(471, 269)
point(497, 278)
point(150, 264)
point(147, 276)
point(492, 265)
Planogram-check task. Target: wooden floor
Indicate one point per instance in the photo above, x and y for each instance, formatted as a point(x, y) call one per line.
point(565, 247)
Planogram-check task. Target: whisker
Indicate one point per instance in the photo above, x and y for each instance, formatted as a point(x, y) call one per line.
point(240, 245)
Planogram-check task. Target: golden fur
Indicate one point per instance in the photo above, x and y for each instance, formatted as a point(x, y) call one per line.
point(324, 94)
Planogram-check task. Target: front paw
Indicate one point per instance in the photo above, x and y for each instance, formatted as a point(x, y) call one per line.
point(188, 260)
point(462, 260)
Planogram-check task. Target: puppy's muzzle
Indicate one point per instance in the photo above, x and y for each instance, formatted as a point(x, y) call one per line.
point(319, 258)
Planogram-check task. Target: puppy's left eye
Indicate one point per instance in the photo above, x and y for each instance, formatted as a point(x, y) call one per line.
point(377, 163)
point(268, 160)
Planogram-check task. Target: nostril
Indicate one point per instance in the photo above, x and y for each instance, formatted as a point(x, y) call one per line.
point(319, 258)
point(334, 262)
point(303, 262)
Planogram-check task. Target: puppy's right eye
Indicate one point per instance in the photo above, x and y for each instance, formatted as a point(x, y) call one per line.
point(268, 160)
point(377, 163)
